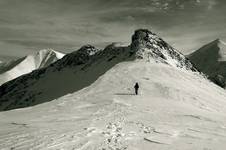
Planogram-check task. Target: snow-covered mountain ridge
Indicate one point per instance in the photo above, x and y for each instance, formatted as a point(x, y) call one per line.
point(94, 107)
point(211, 60)
point(175, 109)
point(13, 69)
point(82, 67)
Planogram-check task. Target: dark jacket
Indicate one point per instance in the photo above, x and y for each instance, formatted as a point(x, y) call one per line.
point(136, 86)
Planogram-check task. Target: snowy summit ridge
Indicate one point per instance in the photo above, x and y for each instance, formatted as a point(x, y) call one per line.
point(81, 68)
point(45, 57)
point(148, 45)
point(80, 56)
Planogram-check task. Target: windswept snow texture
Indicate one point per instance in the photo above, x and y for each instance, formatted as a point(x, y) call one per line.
point(176, 109)
point(211, 58)
point(81, 68)
point(16, 68)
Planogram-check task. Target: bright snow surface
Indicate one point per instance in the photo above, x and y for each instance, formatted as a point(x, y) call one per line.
point(222, 52)
point(176, 109)
point(16, 68)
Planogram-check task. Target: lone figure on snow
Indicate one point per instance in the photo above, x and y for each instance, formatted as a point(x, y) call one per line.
point(136, 87)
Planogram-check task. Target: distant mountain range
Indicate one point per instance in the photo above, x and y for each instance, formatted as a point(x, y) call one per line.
point(48, 74)
point(81, 68)
point(211, 60)
point(13, 69)
point(90, 102)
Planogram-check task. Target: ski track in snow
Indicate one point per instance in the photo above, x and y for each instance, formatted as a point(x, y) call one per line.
point(112, 118)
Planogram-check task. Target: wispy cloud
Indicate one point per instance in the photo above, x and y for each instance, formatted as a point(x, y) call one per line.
point(29, 25)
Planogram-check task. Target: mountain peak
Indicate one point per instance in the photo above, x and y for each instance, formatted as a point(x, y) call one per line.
point(140, 37)
point(216, 46)
point(45, 52)
point(78, 57)
point(217, 40)
point(13, 69)
point(211, 58)
point(148, 45)
point(88, 50)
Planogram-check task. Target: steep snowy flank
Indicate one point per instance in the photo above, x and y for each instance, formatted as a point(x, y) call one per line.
point(175, 109)
point(16, 68)
point(82, 67)
point(46, 57)
point(148, 45)
point(211, 60)
point(73, 72)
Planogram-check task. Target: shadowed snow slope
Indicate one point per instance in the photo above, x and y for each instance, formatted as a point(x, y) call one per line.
point(81, 68)
point(16, 68)
point(175, 109)
point(211, 58)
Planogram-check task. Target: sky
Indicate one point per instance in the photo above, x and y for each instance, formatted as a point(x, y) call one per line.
point(26, 26)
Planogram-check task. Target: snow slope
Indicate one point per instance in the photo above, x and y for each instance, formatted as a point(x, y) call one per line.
point(82, 67)
point(176, 109)
point(211, 58)
point(16, 68)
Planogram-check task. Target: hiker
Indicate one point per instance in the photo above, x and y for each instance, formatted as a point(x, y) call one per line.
point(136, 87)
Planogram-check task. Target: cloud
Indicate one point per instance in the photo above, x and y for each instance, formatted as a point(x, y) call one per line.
point(29, 25)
